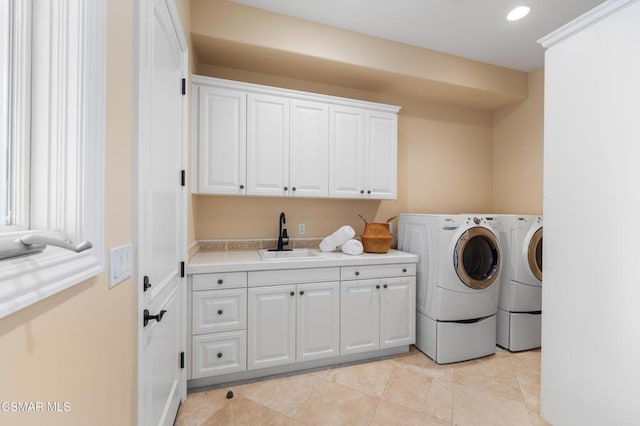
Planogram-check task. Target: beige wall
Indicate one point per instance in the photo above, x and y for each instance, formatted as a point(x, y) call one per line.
point(444, 166)
point(80, 345)
point(517, 152)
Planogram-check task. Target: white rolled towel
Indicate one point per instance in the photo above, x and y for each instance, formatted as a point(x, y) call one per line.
point(353, 247)
point(338, 238)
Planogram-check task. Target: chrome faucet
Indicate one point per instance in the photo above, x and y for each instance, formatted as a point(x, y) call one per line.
point(283, 237)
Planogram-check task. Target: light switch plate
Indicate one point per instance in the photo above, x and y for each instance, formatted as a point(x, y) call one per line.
point(301, 229)
point(120, 261)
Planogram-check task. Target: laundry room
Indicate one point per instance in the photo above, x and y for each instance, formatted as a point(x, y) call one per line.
point(162, 276)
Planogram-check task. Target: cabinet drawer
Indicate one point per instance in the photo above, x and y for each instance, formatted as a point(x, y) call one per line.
point(219, 353)
point(293, 276)
point(219, 281)
point(377, 271)
point(219, 310)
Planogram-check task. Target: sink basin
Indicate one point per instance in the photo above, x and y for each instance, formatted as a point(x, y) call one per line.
point(294, 254)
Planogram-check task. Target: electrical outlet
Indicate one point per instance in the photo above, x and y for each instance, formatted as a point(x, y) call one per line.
point(301, 229)
point(391, 228)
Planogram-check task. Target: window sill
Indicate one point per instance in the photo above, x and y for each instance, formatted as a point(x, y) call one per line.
point(30, 279)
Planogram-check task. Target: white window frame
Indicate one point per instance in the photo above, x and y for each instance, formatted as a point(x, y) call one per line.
point(66, 180)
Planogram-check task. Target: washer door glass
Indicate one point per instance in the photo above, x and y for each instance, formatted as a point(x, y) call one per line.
point(477, 258)
point(535, 254)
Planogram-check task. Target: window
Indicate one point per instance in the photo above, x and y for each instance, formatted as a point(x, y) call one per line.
point(52, 99)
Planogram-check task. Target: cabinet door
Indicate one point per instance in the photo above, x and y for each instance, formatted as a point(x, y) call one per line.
point(271, 326)
point(318, 325)
point(309, 149)
point(346, 152)
point(359, 316)
point(382, 146)
point(397, 312)
point(221, 132)
point(267, 145)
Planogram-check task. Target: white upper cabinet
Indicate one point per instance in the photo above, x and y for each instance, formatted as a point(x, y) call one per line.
point(267, 145)
point(347, 152)
point(259, 140)
point(222, 134)
point(309, 149)
point(382, 155)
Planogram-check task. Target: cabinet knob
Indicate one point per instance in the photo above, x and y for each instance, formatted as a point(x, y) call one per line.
point(301, 292)
point(293, 189)
point(219, 354)
point(377, 285)
point(220, 281)
point(241, 186)
point(286, 188)
point(362, 191)
point(404, 269)
point(219, 311)
point(293, 293)
point(385, 286)
point(357, 273)
point(369, 192)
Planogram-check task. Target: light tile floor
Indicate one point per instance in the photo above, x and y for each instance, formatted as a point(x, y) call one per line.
point(409, 389)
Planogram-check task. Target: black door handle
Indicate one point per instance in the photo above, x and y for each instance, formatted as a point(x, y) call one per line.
point(148, 317)
point(146, 285)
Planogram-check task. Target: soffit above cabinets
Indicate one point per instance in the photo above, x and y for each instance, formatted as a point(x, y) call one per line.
point(233, 41)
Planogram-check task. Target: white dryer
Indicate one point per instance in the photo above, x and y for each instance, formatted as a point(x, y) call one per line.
point(520, 302)
point(457, 284)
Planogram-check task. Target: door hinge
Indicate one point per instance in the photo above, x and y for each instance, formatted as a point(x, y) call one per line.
point(184, 86)
point(181, 359)
point(183, 177)
point(181, 269)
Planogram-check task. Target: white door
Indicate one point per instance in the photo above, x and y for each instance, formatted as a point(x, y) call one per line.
point(397, 312)
point(271, 326)
point(159, 216)
point(359, 316)
point(382, 147)
point(309, 149)
point(318, 325)
point(222, 139)
point(346, 152)
point(267, 145)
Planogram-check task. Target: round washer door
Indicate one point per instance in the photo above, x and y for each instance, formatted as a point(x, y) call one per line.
point(535, 254)
point(476, 258)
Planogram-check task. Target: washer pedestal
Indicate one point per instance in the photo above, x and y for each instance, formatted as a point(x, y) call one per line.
point(519, 331)
point(446, 342)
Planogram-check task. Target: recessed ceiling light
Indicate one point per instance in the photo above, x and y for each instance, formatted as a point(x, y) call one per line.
point(518, 13)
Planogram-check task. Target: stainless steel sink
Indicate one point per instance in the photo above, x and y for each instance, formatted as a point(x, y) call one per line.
point(295, 254)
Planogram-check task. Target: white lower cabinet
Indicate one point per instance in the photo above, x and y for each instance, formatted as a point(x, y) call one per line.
point(272, 326)
point(293, 323)
point(260, 319)
point(377, 314)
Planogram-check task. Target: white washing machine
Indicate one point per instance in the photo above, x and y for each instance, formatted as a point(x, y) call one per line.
point(457, 286)
point(520, 303)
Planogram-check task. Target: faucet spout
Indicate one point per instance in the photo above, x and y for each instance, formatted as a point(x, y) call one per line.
point(283, 236)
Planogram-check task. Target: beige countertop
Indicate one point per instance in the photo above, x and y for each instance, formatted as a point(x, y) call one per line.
point(250, 260)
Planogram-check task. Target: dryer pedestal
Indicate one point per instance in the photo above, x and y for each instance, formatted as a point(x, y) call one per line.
point(447, 342)
point(519, 331)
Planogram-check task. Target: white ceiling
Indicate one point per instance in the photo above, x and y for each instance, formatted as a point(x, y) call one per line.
point(474, 29)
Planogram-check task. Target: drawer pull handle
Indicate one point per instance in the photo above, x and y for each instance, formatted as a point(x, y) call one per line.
point(404, 269)
point(385, 286)
point(357, 273)
point(220, 281)
point(219, 311)
point(301, 292)
point(219, 354)
point(377, 285)
point(293, 293)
